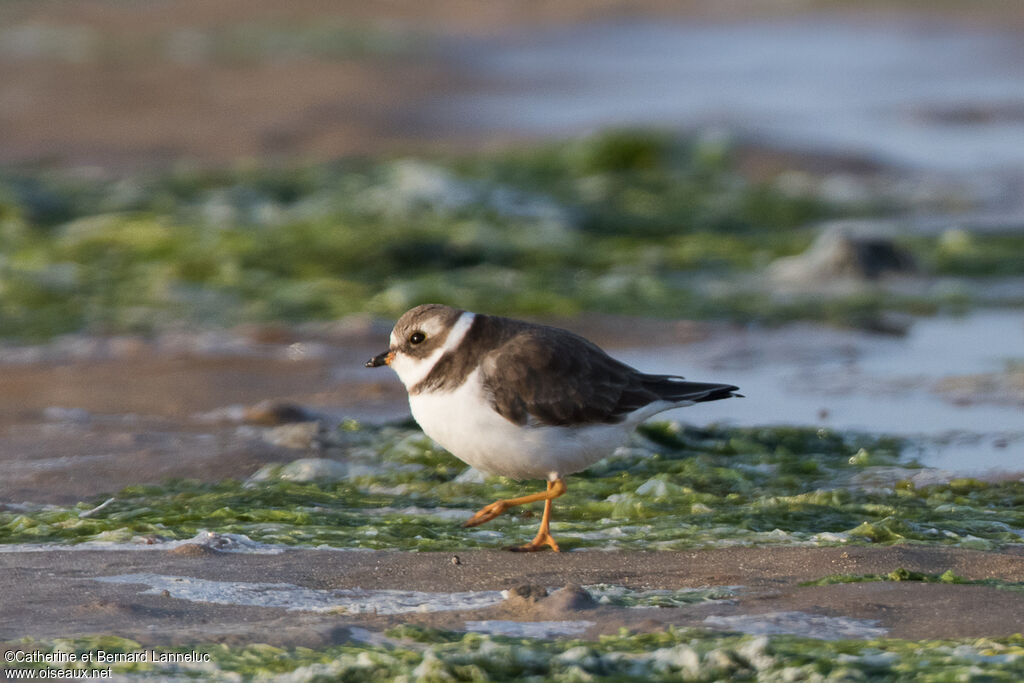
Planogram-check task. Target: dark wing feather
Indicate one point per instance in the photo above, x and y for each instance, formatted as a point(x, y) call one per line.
point(675, 388)
point(553, 377)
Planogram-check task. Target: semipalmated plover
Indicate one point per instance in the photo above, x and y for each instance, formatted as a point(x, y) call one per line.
point(523, 400)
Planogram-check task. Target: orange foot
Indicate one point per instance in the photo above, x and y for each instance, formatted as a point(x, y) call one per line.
point(542, 541)
point(487, 513)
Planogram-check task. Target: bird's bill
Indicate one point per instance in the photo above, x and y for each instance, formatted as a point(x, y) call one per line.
point(381, 359)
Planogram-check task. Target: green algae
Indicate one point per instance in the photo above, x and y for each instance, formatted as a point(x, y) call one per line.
point(515, 233)
point(901, 574)
point(958, 252)
point(672, 487)
point(608, 594)
point(624, 222)
point(417, 653)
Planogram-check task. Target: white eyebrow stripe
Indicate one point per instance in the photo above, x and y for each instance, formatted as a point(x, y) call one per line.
point(458, 331)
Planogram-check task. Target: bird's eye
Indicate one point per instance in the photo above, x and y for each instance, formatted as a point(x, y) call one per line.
point(417, 337)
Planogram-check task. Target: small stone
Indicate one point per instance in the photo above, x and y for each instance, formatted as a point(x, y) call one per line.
point(298, 436)
point(844, 250)
point(528, 592)
point(570, 597)
point(456, 560)
point(271, 412)
point(303, 470)
point(193, 550)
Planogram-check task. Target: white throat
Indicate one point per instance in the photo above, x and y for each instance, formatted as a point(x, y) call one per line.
point(412, 371)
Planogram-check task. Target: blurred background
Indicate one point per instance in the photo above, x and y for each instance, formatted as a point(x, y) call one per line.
point(217, 163)
point(203, 204)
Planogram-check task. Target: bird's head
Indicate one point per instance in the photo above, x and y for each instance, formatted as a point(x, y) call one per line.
point(420, 337)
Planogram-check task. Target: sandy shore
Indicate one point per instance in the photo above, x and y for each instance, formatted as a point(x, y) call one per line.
point(55, 593)
point(101, 84)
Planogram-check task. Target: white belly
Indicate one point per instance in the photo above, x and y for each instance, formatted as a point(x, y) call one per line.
point(464, 423)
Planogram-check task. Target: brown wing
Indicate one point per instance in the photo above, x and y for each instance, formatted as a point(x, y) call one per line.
point(552, 377)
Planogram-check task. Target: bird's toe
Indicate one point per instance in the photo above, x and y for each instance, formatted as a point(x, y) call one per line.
point(542, 542)
point(486, 514)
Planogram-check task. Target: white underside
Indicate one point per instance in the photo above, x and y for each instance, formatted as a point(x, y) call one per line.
point(464, 422)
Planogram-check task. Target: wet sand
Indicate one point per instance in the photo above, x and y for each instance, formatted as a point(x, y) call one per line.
point(72, 430)
point(101, 84)
point(136, 87)
point(54, 593)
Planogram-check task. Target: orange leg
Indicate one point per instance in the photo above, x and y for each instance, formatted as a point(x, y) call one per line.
point(554, 490)
point(543, 537)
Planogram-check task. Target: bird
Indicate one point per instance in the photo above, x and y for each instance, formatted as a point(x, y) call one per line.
point(524, 400)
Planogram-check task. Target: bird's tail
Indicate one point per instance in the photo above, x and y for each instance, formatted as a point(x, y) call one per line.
point(673, 388)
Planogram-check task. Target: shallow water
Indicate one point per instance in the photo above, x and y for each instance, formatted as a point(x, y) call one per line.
point(359, 601)
point(529, 629)
point(799, 624)
point(909, 91)
point(865, 382)
point(226, 543)
point(298, 598)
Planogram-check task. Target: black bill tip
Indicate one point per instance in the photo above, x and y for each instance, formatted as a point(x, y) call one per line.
point(379, 360)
